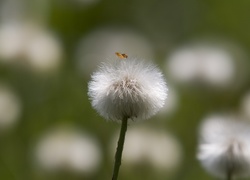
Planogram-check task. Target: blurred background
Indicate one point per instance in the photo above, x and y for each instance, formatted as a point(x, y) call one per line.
point(48, 50)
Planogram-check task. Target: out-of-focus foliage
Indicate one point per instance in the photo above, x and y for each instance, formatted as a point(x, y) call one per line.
point(48, 50)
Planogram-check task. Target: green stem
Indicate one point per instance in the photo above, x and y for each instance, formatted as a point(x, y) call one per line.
point(119, 149)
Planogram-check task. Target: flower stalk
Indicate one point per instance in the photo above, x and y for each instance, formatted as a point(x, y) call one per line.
point(119, 149)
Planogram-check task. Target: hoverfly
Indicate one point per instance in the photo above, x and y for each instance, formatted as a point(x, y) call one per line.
point(121, 55)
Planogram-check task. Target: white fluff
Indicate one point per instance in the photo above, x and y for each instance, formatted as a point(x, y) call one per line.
point(203, 62)
point(127, 88)
point(156, 147)
point(225, 145)
point(70, 149)
point(30, 46)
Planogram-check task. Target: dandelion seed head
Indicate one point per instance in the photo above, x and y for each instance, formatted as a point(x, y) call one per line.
point(224, 146)
point(127, 88)
point(206, 63)
point(147, 145)
point(44, 51)
point(68, 149)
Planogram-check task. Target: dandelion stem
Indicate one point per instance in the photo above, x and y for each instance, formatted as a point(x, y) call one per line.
point(119, 149)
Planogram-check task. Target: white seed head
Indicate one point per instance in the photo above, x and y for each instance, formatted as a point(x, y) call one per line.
point(224, 146)
point(210, 64)
point(159, 149)
point(127, 88)
point(68, 149)
point(29, 45)
point(43, 51)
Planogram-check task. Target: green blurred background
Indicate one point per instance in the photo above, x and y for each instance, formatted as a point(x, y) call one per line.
point(48, 97)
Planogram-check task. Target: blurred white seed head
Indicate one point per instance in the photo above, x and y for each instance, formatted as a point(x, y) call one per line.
point(10, 107)
point(28, 44)
point(158, 149)
point(127, 88)
point(68, 149)
point(212, 64)
point(43, 51)
point(218, 67)
point(103, 42)
point(224, 146)
point(183, 65)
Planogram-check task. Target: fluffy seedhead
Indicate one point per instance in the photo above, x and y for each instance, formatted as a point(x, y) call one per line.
point(224, 146)
point(127, 88)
